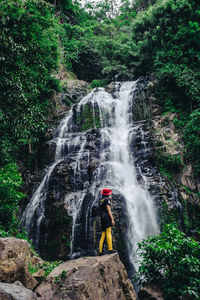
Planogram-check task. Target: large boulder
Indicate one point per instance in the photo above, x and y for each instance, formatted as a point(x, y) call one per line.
point(15, 255)
point(15, 291)
point(101, 277)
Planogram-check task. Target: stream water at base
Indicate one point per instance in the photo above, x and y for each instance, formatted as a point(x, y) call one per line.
point(114, 169)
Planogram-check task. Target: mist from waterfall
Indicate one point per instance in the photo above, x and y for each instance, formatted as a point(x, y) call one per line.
point(116, 169)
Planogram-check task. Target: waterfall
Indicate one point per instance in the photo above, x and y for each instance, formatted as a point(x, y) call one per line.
point(140, 207)
point(101, 143)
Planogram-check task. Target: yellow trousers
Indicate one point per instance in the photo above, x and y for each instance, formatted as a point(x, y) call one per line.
point(108, 236)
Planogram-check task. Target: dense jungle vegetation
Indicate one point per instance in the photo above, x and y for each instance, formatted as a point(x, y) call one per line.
point(98, 43)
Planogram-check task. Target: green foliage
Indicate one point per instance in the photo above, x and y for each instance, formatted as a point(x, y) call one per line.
point(88, 118)
point(169, 216)
point(46, 266)
point(172, 260)
point(141, 5)
point(58, 279)
point(99, 45)
point(49, 266)
point(192, 141)
point(170, 98)
point(191, 219)
point(29, 41)
point(32, 269)
point(10, 196)
point(168, 35)
point(97, 83)
point(168, 164)
point(179, 124)
point(185, 216)
point(104, 43)
point(189, 191)
point(4, 233)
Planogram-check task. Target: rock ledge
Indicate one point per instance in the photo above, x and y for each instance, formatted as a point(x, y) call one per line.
point(89, 278)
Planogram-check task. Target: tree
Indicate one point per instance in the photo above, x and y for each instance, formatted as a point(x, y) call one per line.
point(28, 47)
point(167, 35)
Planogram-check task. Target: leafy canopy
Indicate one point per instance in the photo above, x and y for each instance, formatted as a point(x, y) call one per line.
point(99, 44)
point(28, 47)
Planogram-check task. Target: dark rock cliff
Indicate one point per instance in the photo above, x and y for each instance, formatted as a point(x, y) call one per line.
point(178, 174)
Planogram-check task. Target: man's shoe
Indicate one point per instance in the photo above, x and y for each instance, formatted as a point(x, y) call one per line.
point(100, 253)
point(112, 251)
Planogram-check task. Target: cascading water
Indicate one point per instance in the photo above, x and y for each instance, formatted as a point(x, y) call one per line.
point(141, 211)
point(97, 158)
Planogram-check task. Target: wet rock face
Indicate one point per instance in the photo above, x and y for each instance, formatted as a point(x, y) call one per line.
point(110, 88)
point(168, 142)
point(144, 160)
point(151, 129)
point(66, 179)
point(166, 137)
point(187, 178)
point(67, 183)
point(120, 214)
point(56, 226)
point(76, 90)
point(89, 278)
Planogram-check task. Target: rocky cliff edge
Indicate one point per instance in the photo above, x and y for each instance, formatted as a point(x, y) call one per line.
point(99, 277)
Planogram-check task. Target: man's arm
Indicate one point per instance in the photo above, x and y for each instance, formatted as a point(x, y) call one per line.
point(110, 214)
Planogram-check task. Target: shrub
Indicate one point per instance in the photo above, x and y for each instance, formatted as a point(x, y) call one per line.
point(96, 83)
point(10, 183)
point(172, 260)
